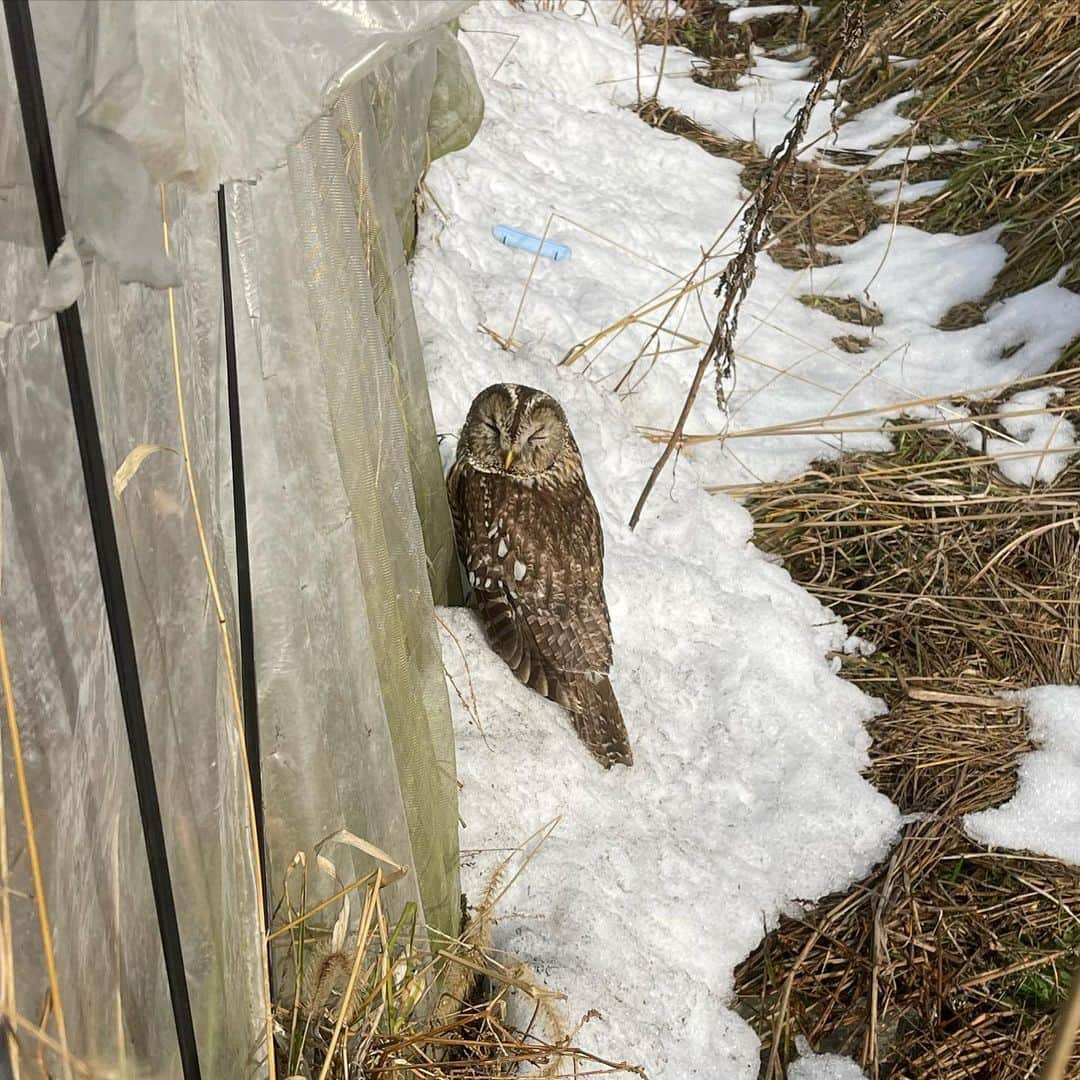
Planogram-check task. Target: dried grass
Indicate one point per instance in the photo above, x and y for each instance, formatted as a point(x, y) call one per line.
point(950, 959)
point(852, 343)
point(378, 999)
point(962, 316)
point(948, 962)
point(677, 123)
point(848, 309)
point(1007, 75)
point(723, 47)
point(817, 206)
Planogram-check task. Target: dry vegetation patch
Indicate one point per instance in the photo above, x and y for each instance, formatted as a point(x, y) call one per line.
point(677, 123)
point(375, 997)
point(1007, 76)
point(852, 343)
point(849, 309)
point(950, 959)
point(703, 28)
point(817, 205)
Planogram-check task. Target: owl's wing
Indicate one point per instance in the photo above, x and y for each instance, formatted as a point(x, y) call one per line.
point(455, 491)
point(536, 566)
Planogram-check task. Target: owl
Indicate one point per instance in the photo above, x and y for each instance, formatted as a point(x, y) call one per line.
point(529, 535)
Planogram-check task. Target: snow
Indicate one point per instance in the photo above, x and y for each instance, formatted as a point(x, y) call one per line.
point(885, 191)
point(745, 14)
point(746, 795)
point(759, 110)
point(1038, 444)
point(1044, 814)
point(810, 1066)
point(877, 124)
point(965, 266)
point(897, 155)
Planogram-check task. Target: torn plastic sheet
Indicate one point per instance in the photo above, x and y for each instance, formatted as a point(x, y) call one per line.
point(59, 289)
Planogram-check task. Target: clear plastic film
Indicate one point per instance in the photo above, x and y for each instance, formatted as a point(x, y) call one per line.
point(105, 935)
point(348, 524)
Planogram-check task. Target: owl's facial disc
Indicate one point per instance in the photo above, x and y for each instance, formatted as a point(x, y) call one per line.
point(514, 430)
point(539, 439)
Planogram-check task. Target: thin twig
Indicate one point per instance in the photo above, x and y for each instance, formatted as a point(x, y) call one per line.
point(35, 860)
point(738, 275)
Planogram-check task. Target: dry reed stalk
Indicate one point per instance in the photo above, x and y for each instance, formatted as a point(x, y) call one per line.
point(1057, 1063)
point(818, 425)
point(410, 1011)
point(7, 944)
point(19, 1027)
point(44, 926)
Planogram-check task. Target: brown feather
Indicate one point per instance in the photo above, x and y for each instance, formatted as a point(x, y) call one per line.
point(533, 551)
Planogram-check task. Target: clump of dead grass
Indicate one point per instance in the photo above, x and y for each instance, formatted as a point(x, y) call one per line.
point(950, 959)
point(849, 309)
point(852, 343)
point(817, 205)
point(703, 28)
point(677, 123)
point(964, 315)
point(373, 997)
point(947, 963)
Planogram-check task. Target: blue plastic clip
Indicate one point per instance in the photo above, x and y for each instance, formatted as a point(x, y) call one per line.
point(527, 242)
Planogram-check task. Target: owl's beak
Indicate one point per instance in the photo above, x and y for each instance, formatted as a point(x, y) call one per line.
point(509, 458)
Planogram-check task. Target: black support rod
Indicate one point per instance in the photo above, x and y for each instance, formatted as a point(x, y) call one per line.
point(39, 145)
point(248, 686)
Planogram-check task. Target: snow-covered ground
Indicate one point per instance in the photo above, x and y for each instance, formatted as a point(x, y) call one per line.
point(1044, 814)
point(746, 796)
point(809, 1066)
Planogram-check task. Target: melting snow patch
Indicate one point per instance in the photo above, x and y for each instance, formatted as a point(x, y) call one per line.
point(1044, 814)
point(897, 155)
point(888, 262)
point(875, 125)
point(884, 191)
point(1039, 443)
point(810, 1066)
point(745, 14)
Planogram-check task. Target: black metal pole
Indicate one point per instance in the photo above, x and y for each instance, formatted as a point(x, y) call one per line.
point(39, 145)
point(245, 615)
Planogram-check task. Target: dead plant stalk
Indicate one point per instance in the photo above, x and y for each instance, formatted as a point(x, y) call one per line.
point(738, 275)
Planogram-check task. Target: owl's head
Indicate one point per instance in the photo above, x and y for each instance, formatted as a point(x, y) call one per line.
point(516, 431)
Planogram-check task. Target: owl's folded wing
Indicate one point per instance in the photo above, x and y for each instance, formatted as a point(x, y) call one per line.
point(537, 573)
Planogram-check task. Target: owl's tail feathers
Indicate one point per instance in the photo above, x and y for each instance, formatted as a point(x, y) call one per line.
point(598, 721)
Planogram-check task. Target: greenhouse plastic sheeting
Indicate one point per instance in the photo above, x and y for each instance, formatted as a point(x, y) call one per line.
point(321, 117)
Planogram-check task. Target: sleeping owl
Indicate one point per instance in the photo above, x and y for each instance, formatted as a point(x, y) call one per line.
point(529, 536)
